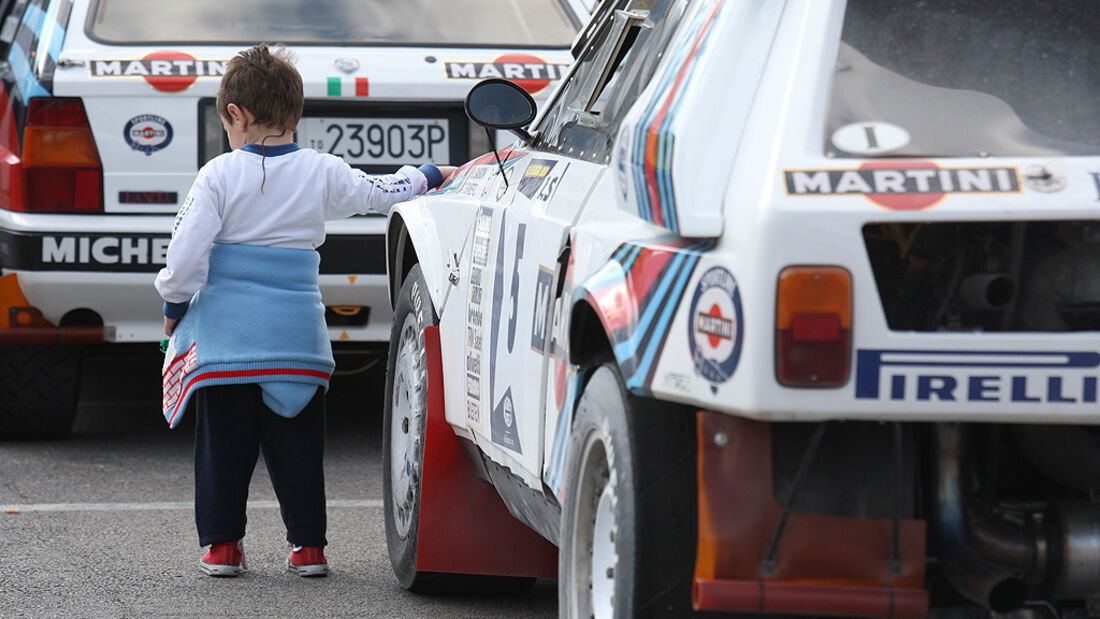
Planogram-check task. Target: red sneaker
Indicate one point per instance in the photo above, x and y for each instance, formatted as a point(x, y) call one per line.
point(224, 559)
point(307, 561)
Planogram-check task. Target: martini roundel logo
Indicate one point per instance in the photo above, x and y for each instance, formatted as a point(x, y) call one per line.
point(715, 327)
point(170, 83)
point(530, 82)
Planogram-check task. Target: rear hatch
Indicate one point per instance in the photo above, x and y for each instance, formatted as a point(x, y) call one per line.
point(384, 81)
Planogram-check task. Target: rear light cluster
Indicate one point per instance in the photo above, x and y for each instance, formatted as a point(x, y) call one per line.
point(813, 322)
point(61, 166)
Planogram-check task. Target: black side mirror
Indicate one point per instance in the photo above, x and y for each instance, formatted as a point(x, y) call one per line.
point(497, 103)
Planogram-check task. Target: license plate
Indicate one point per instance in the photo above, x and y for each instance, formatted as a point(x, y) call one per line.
point(378, 141)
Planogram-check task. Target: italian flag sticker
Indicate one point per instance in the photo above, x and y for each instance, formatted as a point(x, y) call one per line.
point(347, 87)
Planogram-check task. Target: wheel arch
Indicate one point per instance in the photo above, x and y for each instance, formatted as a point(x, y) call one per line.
point(589, 342)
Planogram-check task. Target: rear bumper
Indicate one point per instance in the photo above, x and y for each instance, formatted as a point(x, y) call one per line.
point(112, 274)
point(752, 557)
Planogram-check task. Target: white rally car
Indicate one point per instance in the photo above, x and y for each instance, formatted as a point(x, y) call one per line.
point(107, 112)
point(777, 306)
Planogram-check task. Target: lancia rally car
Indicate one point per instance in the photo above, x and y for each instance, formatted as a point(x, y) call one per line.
point(107, 112)
point(776, 307)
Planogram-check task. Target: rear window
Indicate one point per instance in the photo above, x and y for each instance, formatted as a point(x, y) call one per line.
point(967, 78)
point(455, 23)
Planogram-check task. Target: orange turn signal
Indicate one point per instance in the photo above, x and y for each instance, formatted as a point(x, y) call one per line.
point(813, 320)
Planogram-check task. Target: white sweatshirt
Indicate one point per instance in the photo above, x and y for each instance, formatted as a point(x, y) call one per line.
point(301, 189)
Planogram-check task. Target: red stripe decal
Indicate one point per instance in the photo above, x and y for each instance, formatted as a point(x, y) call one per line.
point(242, 374)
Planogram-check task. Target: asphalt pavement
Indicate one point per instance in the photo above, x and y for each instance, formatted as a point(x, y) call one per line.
point(102, 524)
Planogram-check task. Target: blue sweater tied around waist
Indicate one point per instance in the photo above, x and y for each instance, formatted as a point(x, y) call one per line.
point(258, 319)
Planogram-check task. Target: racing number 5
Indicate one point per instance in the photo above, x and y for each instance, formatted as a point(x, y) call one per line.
point(521, 232)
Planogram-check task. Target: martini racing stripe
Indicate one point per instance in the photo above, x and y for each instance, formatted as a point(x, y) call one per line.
point(145, 253)
point(657, 275)
point(653, 142)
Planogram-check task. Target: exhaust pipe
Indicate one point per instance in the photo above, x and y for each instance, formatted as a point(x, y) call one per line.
point(995, 562)
point(987, 582)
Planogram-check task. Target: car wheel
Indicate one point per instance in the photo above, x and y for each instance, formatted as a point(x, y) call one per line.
point(627, 544)
point(38, 391)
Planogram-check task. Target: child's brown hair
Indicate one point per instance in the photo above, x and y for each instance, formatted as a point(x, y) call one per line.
point(265, 83)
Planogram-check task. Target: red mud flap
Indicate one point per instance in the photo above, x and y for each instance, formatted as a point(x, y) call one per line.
point(465, 527)
point(808, 599)
point(821, 565)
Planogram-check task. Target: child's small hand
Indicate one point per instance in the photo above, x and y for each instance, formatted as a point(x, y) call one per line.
point(170, 325)
point(447, 171)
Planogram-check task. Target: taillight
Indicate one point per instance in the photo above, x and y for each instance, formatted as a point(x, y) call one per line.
point(61, 166)
point(813, 321)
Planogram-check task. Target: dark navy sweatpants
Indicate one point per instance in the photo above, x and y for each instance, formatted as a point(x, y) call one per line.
point(232, 425)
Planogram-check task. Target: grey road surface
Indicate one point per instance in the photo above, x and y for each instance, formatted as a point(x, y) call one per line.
point(102, 524)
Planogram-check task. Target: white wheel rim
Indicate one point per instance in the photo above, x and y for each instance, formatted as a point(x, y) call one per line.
point(407, 410)
point(604, 556)
point(594, 531)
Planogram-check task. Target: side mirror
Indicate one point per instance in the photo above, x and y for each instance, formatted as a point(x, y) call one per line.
point(497, 103)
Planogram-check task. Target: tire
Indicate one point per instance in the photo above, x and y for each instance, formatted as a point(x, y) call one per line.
point(405, 412)
point(627, 542)
point(38, 391)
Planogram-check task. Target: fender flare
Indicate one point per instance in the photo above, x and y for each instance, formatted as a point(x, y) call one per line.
point(411, 239)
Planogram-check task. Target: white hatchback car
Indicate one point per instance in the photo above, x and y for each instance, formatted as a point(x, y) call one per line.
point(108, 112)
point(778, 306)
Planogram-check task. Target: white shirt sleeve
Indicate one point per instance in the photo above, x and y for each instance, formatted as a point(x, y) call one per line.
point(197, 225)
point(353, 192)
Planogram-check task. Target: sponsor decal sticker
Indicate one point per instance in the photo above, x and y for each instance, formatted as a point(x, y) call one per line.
point(543, 289)
point(531, 73)
point(147, 133)
point(715, 328)
point(870, 138)
point(147, 197)
point(167, 71)
point(902, 185)
point(475, 315)
point(348, 87)
point(534, 175)
point(1006, 377)
point(1044, 179)
point(73, 250)
point(503, 423)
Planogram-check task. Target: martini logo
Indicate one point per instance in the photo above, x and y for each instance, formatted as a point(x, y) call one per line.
point(715, 328)
point(902, 186)
point(165, 71)
point(148, 133)
point(531, 73)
